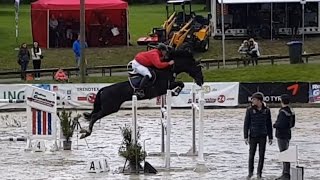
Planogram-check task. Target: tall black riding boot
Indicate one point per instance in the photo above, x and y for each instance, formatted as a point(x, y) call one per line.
point(144, 82)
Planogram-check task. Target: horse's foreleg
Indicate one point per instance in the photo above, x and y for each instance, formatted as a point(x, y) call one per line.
point(176, 87)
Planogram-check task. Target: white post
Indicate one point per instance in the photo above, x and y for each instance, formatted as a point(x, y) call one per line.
point(271, 20)
point(201, 109)
point(134, 119)
point(223, 35)
point(318, 9)
point(303, 2)
point(167, 146)
point(214, 17)
point(201, 166)
point(194, 100)
point(163, 98)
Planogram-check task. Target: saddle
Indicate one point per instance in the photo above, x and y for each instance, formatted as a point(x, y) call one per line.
point(135, 78)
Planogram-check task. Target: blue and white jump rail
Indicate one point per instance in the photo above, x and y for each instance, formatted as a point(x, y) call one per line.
point(41, 108)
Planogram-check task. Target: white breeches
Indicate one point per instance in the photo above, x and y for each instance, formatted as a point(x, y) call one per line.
point(138, 68)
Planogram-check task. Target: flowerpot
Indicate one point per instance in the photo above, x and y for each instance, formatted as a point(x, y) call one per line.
point(134, 168)
point(67, 145)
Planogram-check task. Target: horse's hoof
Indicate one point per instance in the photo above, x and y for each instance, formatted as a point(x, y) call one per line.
point(83, 130)
point(87, 116)
point(85, 135)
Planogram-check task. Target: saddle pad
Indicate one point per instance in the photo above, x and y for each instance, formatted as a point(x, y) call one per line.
point(135, 81)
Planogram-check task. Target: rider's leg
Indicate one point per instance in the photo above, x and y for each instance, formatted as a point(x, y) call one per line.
point(144, 71)
point(144, 82)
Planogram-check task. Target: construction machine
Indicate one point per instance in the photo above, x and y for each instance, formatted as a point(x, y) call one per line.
point(193, 36)
point(173, 23)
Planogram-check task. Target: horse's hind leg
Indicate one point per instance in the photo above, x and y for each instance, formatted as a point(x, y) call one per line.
point(96, 107)
point(94, 118)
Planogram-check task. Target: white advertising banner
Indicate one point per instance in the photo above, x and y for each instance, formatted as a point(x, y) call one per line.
point(83, 95)
point(215, 94)
point(12, 91)
point(76, 95)
point(314, 93)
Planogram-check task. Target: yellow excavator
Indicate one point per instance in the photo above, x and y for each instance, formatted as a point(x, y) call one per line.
point(193, 36)
point(159, 34)
point(173, 23)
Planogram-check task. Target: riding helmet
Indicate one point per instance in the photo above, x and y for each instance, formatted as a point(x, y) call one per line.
point(162, 47)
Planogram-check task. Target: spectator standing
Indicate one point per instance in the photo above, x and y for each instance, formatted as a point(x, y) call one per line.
point(36, 56)
point(254, 52)
point(257, 126)
point(53, 31)
point(23, 59)
point(243, 50)
point(77, 51)
point(285, 121)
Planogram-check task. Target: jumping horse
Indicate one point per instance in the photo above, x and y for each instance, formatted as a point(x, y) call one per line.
point(110, 98)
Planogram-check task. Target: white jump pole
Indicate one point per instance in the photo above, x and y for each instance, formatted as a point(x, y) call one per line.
point(201, 166)
point(193, 120)
point(134, 119)
point(194, 107)
point(201, 129)
point(167, 146)
point(163, 98)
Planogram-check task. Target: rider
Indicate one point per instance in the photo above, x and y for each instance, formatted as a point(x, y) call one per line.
point(151, 58)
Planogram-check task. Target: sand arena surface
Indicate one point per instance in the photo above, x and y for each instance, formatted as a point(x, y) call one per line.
point(227, 154)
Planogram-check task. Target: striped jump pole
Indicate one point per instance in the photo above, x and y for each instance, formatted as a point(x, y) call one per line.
point(12, 101)
point(14, 139)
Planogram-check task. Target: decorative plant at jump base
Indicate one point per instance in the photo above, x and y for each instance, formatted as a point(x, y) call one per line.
point(132, 152)
point(67, 126)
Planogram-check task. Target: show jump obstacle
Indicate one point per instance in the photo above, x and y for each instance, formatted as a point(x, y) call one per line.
point(41, 108)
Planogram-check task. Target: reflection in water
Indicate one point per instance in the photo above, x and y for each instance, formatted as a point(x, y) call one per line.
point(226, 153)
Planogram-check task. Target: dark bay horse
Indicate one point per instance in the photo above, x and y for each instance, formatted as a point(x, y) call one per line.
point(110, 98)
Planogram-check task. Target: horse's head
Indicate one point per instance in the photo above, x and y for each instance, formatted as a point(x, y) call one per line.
point(185, 62)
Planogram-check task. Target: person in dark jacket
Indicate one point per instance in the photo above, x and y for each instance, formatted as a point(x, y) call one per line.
point(257, 126)
point(285, 121)
point(23, 59)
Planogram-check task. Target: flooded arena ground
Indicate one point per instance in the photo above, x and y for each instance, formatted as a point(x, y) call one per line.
point(226, 157)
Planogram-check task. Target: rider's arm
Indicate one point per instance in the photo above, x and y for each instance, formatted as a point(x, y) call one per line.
point(159, 64)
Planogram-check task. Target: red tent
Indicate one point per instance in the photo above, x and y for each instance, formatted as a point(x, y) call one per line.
point(56, 23)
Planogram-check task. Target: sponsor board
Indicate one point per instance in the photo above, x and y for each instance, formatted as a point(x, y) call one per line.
point(215, 94)
point(273, 91)
point(314, 93)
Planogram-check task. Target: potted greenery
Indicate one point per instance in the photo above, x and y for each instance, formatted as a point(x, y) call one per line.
point(132, 152)
point(67, 126)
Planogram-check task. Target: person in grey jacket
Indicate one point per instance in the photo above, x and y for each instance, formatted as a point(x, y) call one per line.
point(285, 121)
point(23, 59)
point(257, 126)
